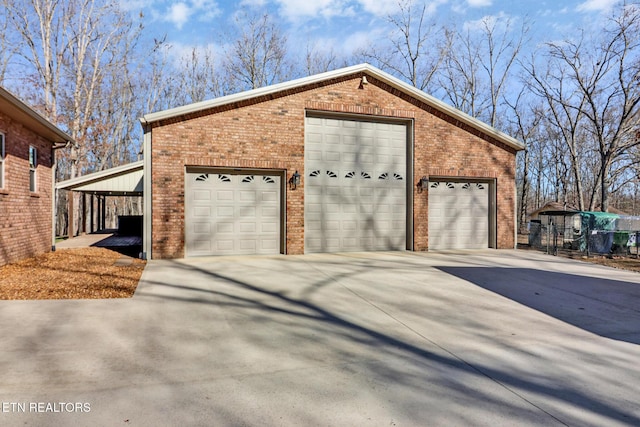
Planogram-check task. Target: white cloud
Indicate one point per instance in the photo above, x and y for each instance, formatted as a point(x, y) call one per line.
point(360, 40)
point(479, 24)
point(296, 9)
point(596, 5)
point(378, 7)
point(491, 21)
point(135, 5)
point(181, 12)
point(479, 3)
point(206, 9)
point(178, 14)
point(252, 3)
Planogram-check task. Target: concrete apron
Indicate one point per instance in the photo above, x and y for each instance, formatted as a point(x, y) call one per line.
point(413, 339)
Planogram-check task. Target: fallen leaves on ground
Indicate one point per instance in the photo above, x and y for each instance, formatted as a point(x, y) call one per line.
point(630, 262)
point(82, 273)
point(624, 263)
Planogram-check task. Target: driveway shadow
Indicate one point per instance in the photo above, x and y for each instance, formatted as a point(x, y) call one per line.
point(609, 308)
point(299, 314)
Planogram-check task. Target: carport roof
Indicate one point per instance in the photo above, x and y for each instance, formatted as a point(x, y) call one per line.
point(125, 180)
point(356, 69)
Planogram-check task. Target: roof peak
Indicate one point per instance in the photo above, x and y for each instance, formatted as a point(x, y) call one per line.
point(366, 68)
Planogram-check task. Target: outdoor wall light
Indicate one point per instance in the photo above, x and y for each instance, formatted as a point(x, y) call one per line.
point(363, 82)
point(294, 181)
point(422, 184)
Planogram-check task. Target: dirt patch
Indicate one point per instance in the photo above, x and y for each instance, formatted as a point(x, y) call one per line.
point(623, 263)
point(83, 273)
point(630, 262)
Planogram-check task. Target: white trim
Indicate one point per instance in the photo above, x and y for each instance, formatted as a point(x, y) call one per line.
point(33, 169)
point(147, 200)
point(54, 198)
point(362, 68)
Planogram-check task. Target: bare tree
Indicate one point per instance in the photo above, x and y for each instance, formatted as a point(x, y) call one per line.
point(415, 48)
point(199, 77)
point(478, 66)
point(613, 93)
point(41, 24)
point(565, 114)
point(592, 91)
point(8, 46)
point(525, 125)
point(100, 37)
point(72, 46)
point(258, 56)
point(78, 54)
point(154, 81)
point(318, 60)
point(460, 77)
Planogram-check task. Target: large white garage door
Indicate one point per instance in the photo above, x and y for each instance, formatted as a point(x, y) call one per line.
point(229, 214)
point(458, 215)
point(355, 185)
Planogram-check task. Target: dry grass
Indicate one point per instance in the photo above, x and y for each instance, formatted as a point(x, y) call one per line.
point(623, 263)
point(84, 273)
point(629, 263)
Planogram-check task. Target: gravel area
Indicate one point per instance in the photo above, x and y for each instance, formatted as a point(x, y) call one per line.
point(82, 273)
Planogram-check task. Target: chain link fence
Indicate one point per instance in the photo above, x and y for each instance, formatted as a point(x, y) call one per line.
point(589, 233)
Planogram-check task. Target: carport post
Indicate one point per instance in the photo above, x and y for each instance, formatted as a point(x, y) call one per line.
point(83, 223)
point(70, 215)
point(99, 209)
point(103, 214)
point(91, 224)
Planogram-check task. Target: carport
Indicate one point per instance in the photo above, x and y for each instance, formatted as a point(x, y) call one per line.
point(125, 180)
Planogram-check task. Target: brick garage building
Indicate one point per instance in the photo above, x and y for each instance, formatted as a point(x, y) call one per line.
point(381, 165)
point(27, 143)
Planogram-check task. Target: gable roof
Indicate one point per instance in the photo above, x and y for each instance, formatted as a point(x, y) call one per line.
point(124, 180)
point(31, 119)
point(356, 69)
point(557, 208)
point(552, 208)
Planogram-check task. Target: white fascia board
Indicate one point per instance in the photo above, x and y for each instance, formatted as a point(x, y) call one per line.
point(361, 68)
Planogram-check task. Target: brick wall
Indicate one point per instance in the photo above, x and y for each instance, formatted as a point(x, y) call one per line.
point(25, 217)
point(269, 133)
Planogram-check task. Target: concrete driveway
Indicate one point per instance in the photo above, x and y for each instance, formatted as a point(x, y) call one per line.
point(376, 339)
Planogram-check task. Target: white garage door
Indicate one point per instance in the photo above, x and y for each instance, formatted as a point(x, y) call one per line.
point(458, 215)
point(229, 214)
point(355, 185)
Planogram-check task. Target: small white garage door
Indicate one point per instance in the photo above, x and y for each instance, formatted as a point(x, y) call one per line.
point(230, 214)
point(355, 185)
point(458, 215)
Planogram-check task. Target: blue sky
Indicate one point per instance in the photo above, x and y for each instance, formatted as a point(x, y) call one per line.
point(346, 25)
